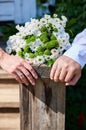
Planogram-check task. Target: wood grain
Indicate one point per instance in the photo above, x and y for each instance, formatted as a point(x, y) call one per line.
point(42, 107)
point(9, 102)
point(9, 95)
point(9, 121)
point(9, 90)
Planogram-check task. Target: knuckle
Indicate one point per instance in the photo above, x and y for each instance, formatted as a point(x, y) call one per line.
point(31, 69)
point(66, 80)
point(19, 63)
point(61, 79)
point(72, 84)
point(29, 77)
point(27, 74)
point(66, 65)
point(72, 69)
point(56, 79)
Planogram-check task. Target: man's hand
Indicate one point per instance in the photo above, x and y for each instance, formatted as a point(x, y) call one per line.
point(19, 68)
point(66, 70)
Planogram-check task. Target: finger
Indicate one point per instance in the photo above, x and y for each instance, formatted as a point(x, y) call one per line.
point(62, 75)
point(31, 70)
point(17, 77)
point(57, 74)
point(53, 70)
point(27, 75)
point(22, 77)
point(73, 81)
point(70, 75)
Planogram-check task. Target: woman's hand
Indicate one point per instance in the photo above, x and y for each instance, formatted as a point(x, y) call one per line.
point(19, 68)
point(66, 70)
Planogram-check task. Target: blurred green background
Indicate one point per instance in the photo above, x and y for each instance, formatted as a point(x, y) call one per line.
point(75, 11)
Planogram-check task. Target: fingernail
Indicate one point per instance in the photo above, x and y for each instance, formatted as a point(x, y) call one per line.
point(27, 84)
point(36, 77)
point(33, 84)
point(51, 78)
point(56, 80)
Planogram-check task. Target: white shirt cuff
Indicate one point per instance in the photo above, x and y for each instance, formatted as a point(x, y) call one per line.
point(78, 54)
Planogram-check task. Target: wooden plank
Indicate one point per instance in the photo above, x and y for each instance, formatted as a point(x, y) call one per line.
point(9, 90)
point(9, 95)
point(42, 106)
point(9, 121)
point(9, 102)
point(42, 72)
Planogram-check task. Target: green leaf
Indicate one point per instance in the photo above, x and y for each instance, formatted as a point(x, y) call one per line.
point(50, 62)
point(43, 29)
point(47, 52)
point(31, 55)
point(44, 37)
point(71, 22)
point(21, 54)
point(51, 44)
point(40, 49)
point(30, 38)
point(26, 48)
point(53, 37)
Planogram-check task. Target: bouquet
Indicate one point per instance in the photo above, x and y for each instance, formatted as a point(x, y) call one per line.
point(40, 40)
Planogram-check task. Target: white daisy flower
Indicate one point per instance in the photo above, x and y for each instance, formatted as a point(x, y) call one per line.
point(39, 60)
point(8, 50)
point(47, 57)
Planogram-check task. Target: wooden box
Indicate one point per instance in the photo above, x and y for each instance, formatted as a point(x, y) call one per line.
point(42, 107)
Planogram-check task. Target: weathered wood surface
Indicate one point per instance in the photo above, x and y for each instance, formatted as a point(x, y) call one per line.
point(9, 102)
point(9, 121)
point(43, 71)
point(42, 107)
point(9, 94)
point(9, 90)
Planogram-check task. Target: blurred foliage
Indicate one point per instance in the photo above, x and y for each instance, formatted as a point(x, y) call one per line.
point(7, 29)
point(76, 103)
point(75, 11)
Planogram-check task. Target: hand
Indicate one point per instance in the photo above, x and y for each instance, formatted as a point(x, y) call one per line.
point(19, 68)
point(66, 70)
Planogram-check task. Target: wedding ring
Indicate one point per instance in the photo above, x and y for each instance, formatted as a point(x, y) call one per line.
point(20, 75)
